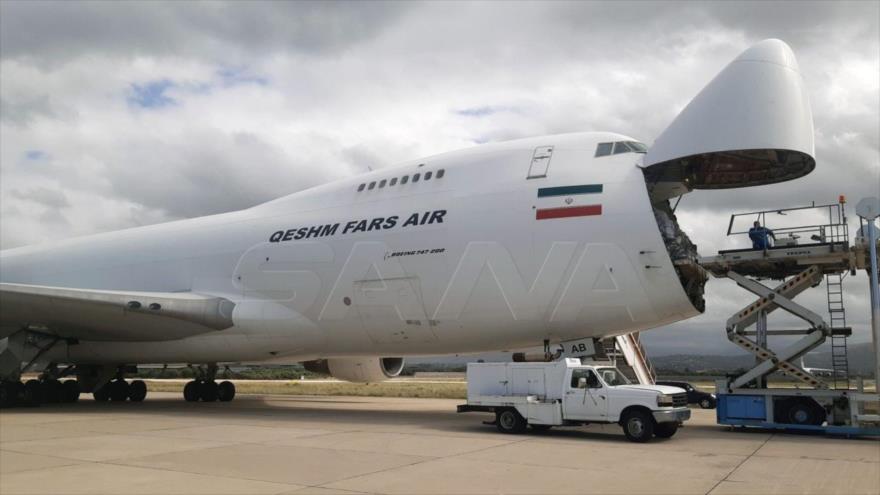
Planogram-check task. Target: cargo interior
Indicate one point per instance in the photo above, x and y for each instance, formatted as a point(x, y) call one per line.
point(682, 251)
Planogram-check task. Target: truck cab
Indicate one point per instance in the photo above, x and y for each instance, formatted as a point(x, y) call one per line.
point(569, 393)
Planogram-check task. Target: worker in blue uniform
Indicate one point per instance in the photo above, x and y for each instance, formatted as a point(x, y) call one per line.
point(760, 236)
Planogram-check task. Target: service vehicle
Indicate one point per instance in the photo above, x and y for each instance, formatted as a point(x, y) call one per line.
point(567, 392)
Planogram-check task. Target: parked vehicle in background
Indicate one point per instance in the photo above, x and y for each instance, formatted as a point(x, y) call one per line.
point(695, 396)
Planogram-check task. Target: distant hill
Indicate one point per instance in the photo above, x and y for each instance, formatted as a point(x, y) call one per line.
point(861, 361)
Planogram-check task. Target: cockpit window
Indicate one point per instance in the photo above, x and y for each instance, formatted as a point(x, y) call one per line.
point(604, 149)
point(621, 147)
point(637, 146)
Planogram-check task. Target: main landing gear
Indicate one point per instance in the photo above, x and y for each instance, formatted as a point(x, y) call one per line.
point(35, 392)
point(119, 390)
point(206, 389)
point(47, 389)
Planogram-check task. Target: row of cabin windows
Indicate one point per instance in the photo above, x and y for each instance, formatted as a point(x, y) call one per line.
point(403, 180)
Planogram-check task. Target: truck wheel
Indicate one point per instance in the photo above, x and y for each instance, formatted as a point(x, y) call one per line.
point(638, 426)
point(665, 430)
point(803, 413)
point(508, 420)
point(706, 404)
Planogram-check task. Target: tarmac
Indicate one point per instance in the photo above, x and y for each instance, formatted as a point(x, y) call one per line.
point(327, 445)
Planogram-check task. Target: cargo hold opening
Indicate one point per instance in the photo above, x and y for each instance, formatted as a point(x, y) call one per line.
point(670, 179)
point(730, 169)
point(683, 253)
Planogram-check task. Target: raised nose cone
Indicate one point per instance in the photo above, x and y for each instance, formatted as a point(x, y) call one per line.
point(771, 51)
point(751, 125)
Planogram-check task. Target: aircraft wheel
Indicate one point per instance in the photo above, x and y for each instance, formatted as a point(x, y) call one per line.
point(17, 395)
point(208, 391)
point(8, 395)
point(70, 391)
point(226, 391)
point(16, 389)
point(102, 394)
point(119, 390)
point(52, 392)
point(33, 393)
point(137, 391)
point(191, 391)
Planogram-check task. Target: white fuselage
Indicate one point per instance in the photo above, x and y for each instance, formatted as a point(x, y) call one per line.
point(460, 263)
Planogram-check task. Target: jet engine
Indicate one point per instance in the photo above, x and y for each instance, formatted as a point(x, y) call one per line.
point(360, 369)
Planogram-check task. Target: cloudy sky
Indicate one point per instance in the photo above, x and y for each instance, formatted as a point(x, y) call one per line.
point(115, 115)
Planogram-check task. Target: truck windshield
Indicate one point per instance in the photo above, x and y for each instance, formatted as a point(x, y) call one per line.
point(612, 377)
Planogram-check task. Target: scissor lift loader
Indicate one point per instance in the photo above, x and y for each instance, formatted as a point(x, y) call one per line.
point(745, 400)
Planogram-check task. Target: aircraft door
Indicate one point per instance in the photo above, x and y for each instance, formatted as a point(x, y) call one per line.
point(540, 162)
point(585, 397)
point(391, 310)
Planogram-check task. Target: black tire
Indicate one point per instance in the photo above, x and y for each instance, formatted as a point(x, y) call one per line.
point(804, 413)
point(52, 393)
point(707, 403)
point(33, 393)
point(540, 427)
point(191, 391)
point(208, 391)
point(137, 391)
point(70, 391)
point(665, 430)
point(16, 392)
point(638, 426)
point(226, 391)
point(119, 390)
point(7, 395)
point(102, 393)
point(508, 420)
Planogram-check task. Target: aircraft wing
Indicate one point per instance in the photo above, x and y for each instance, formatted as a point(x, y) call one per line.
point(103, 315)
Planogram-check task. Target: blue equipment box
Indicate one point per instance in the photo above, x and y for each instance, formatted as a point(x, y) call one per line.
point(742, 407)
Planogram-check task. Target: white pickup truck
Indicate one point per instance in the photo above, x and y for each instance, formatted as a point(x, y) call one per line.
point(568, 393)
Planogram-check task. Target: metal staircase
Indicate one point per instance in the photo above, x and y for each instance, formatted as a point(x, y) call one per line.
point(837, 320)
point(635, 363)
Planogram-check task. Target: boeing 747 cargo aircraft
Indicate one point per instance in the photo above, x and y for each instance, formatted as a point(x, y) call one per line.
point(499, 246)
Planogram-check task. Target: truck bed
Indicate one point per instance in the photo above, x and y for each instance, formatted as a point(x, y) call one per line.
point(531, 407)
